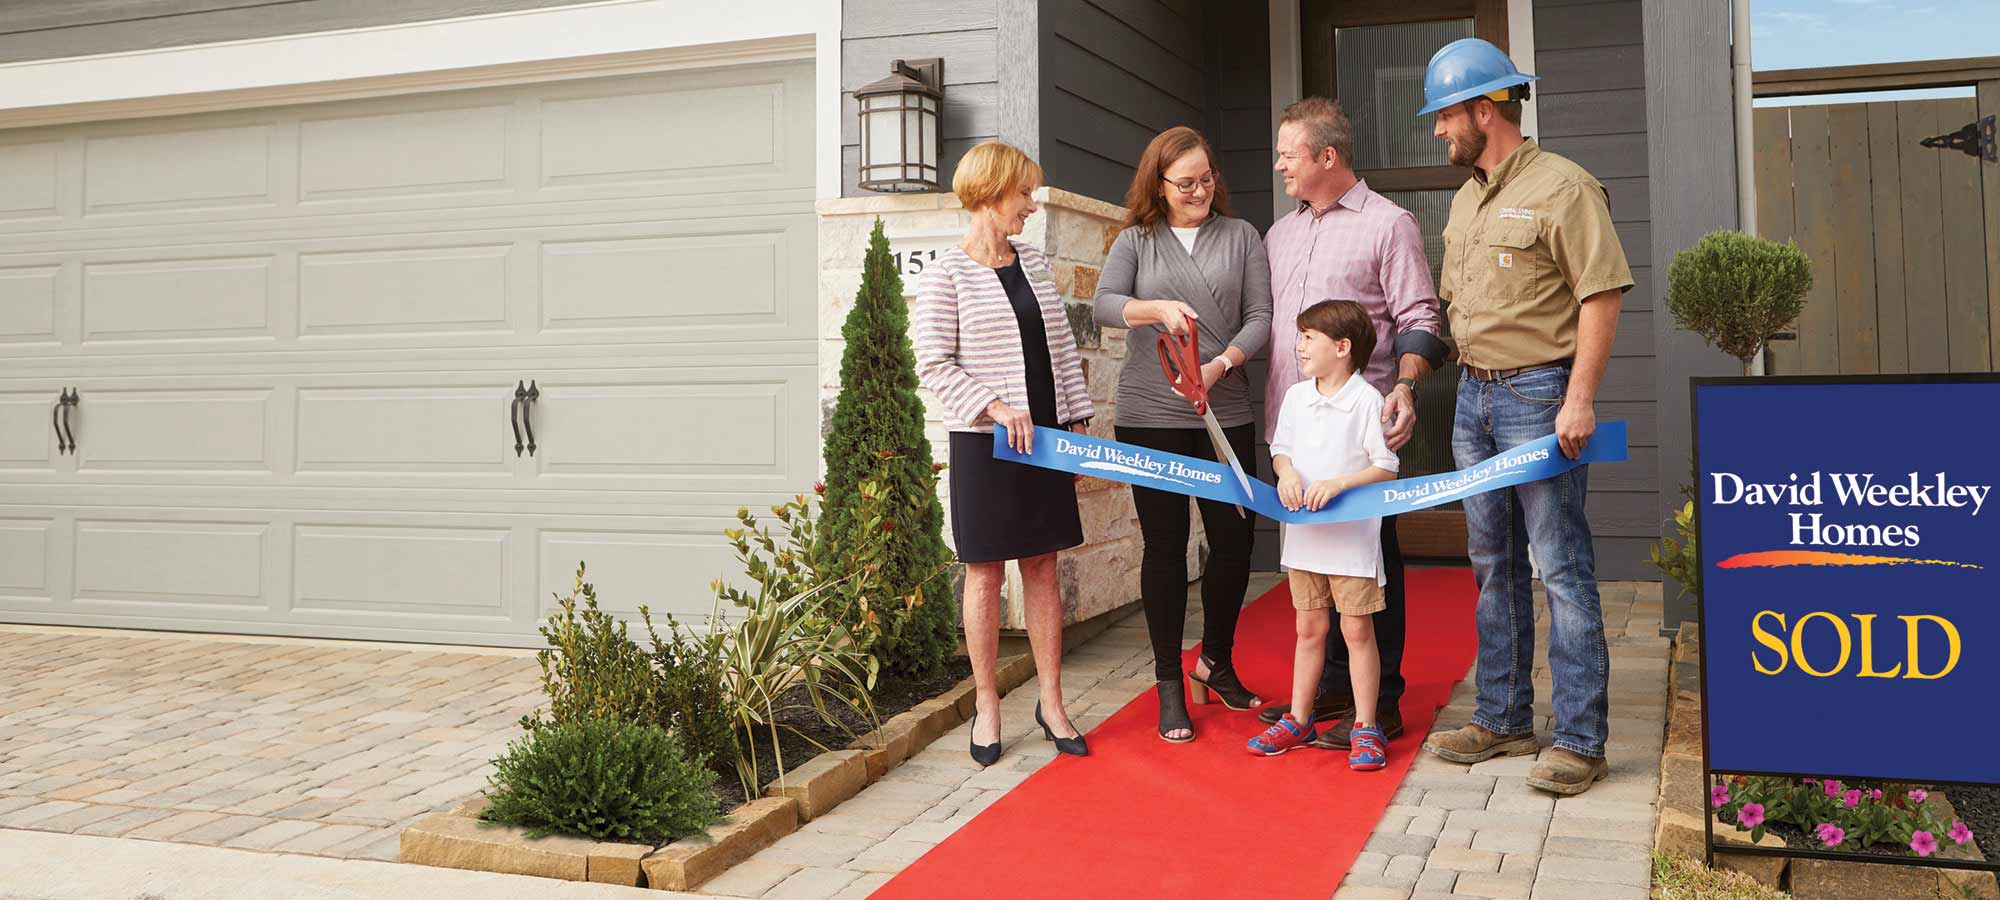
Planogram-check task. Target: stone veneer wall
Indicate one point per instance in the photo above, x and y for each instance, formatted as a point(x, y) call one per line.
point(1075, 231)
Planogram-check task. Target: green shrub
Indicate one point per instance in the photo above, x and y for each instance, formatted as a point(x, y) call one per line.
point(1678, 560)
point(1736, 290)
point(877, 432)
point(605, 779)
point(592, 669)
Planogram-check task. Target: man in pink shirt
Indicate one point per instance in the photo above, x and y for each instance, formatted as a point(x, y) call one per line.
point(1346, 242)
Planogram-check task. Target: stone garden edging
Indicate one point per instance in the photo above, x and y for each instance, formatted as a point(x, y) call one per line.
point(459, 840)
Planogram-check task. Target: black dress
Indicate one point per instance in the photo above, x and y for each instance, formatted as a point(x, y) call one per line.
point(1004, 510)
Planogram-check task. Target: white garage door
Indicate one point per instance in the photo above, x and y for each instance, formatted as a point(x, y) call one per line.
point(296, 334)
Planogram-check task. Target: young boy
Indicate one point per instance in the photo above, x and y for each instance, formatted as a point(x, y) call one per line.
point(1329, 440)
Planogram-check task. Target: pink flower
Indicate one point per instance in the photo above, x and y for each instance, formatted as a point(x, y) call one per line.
point(1832, 788)
point(1718, 795)
point(1875, 794)
point(1924, 843)
point(1830, 834)
point(1753, 815)
point(1852, 798)
point(1959, 834)
point(1811, 781)
point(1918, 795)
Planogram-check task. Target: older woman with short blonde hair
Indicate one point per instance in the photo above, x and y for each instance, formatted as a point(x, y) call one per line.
point(994, 345)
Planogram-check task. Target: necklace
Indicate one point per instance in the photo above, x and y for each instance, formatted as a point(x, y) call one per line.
point(987, 258)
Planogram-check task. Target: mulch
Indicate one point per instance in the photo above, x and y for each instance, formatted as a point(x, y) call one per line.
point(892, 695)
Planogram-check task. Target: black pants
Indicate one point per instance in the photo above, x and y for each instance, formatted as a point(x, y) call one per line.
point(1390, 624)
point(1163, 524)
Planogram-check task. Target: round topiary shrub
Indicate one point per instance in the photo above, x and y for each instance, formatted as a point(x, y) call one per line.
point(1736, 290)
point(604, 779)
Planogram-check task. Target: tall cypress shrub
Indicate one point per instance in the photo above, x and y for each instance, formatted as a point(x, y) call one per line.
point(879, 413)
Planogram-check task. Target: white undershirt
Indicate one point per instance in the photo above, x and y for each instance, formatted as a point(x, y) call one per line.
point(1186, 236)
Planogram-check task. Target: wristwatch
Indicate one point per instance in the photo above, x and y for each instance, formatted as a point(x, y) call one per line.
point(1410, 383)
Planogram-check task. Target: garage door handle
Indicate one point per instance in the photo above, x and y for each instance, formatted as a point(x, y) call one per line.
point(527, 414)
point(65, 433)
point(514, 414)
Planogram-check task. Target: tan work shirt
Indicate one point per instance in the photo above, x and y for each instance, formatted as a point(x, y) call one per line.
point(1524, 246)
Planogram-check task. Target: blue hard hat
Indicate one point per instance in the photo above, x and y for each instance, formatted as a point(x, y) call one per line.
point(1468, 68)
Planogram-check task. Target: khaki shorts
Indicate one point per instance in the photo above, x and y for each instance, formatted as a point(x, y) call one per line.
point(1349, 595)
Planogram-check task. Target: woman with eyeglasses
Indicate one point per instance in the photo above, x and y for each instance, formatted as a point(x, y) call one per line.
point(1183, 258)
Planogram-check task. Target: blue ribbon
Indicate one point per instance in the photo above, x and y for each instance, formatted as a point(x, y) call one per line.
point(1081, 454)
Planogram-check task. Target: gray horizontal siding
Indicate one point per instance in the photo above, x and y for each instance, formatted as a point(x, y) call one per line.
point(1591, 107)
point(52, 29)
point(1116, 73)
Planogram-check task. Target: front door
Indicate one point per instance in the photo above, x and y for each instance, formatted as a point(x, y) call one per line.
point(1371, 56)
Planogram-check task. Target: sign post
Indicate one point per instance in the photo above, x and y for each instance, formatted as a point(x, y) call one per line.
point(1849, 577)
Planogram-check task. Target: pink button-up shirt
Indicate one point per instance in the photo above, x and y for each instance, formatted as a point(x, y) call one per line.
point(1362, 248)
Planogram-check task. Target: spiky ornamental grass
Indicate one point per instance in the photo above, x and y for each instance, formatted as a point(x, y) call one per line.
point(879, 418)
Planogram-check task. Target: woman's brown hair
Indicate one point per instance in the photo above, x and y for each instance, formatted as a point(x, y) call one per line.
point(1144, 204)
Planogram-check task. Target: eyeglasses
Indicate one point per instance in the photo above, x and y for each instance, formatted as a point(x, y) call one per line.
point(1187, 185)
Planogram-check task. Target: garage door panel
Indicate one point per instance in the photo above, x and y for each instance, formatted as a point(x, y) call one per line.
point(452, 573)
point(726, 278)
point(24, 558)
point(412, 153)
point(450, 289)
point(28, 179)
point(123, 562)
point(184, 169)
point(28, 303)
point(178, 298)
point(27, 430)
point(434, 428)
point(675, 133)
point(149, 430)
point(674, 431)
point(665, 570)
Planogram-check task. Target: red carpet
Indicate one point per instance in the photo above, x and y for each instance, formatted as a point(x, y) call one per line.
point(1143, 818)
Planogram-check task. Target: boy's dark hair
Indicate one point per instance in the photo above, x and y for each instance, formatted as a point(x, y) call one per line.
point(1343, 319)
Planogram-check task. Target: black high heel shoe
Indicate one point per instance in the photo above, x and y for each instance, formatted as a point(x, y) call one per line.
point(1173, 712)
point(1223, 682)
point(1074, 746)
point(983, 754)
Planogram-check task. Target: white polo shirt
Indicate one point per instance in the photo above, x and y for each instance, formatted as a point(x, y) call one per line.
point(1328, 437)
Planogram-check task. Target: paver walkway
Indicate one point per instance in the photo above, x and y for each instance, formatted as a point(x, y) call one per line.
point(1453, 830)
point(327, 748)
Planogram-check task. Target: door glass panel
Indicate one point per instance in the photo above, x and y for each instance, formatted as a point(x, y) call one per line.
point(1379, 78)
point(1429, 450)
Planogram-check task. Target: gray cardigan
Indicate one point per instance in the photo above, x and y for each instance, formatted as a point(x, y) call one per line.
point(1227, 281)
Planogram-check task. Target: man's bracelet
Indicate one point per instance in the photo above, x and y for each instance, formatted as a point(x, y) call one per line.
point(1410, 383)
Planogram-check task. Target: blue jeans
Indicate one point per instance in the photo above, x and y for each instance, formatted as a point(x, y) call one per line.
point(1501, 528)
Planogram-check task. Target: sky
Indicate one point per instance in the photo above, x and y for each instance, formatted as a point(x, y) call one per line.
point(1799, 34)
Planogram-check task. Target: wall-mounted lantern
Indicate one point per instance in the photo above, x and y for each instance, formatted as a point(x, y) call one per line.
point(899, 127)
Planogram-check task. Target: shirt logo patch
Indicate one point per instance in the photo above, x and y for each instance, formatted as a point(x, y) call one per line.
point(1506, 260)
point(1517, 212)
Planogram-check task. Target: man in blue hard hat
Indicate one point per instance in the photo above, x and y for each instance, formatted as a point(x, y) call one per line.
point(1534, 277)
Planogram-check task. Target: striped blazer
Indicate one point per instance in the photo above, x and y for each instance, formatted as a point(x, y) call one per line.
point(969, 343)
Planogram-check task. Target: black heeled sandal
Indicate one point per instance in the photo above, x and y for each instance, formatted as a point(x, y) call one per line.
point(1073, 746)
point(1173, 712)
point(983, 754)
point(1222, 681)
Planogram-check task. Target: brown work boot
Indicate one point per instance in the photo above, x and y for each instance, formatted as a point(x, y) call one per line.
point(1473, 744)
point(1326, 708)
point(1568, 773)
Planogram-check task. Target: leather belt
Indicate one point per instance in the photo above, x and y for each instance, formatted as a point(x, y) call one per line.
point(1497, 374)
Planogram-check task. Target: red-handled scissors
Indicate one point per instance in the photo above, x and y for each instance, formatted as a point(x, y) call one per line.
point(1180, 361)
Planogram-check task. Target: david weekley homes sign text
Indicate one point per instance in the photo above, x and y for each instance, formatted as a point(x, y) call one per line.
point(1850, 575)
